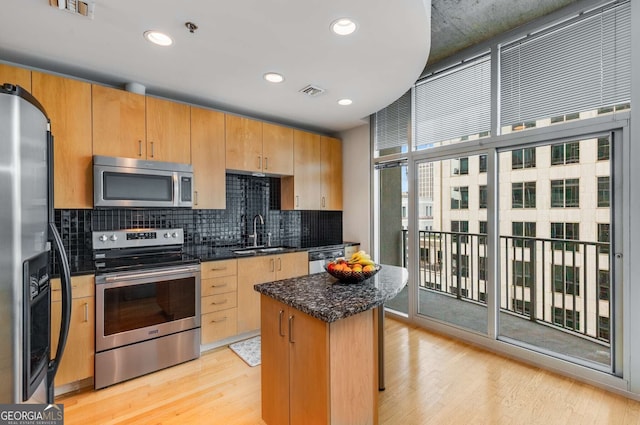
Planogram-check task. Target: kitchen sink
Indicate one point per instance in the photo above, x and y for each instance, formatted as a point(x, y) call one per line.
point(245, 251)
point(272, 249)
point(258, 250)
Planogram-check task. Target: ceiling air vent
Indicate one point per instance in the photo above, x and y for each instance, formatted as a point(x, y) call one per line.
point(312, 91)
point(77, 7)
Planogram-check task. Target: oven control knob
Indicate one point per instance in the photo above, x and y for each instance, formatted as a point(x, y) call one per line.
point(167, 235)
point(174, 235)
point(103, 238)
point(113, 238)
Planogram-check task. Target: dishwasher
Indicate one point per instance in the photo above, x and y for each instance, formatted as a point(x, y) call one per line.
point(318, 257)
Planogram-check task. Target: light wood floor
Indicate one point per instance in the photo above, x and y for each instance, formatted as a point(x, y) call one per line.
point(430, 379)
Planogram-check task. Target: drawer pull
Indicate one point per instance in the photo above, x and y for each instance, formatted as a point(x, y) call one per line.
point(219, 303)
point(220, 320)
point(219, 286)
point(213, 269)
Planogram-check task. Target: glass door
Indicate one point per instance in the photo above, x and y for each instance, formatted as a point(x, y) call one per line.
point(392, 224)
point(555, 238)
point(452, 241)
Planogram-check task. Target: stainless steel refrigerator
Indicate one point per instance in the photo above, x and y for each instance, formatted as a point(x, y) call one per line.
point(30, 238)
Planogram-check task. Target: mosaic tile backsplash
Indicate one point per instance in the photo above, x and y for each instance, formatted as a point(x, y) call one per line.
point(206, 230)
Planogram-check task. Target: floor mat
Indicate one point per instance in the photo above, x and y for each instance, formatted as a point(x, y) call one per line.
point(248, 350)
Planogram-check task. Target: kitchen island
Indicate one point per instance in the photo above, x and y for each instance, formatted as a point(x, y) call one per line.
point(320, 347)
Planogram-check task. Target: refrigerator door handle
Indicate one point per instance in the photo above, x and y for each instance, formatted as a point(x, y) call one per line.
point(65, 276)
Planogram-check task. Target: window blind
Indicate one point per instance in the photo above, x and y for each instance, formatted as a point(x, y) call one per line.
point(392, 124)
point(578, 66)
point(454, 104)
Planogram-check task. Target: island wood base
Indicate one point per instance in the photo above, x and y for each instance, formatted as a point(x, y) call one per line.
point(314, 372)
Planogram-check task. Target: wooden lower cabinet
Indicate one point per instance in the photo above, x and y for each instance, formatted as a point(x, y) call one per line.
point(78, 357)
point(262, 269)
point(315, 372)
point(218, 308)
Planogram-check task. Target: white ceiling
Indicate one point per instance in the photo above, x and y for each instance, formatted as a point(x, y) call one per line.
point(221, 65)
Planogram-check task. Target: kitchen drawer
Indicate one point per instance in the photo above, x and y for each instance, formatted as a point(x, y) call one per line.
point(81, 286)
point(211, 269)
point(219, 325)
point(218, 302)
point(218, 285)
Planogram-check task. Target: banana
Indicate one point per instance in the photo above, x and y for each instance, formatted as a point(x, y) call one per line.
point(361, 258)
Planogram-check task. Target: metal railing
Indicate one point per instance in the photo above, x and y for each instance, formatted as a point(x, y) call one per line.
point(555, 282)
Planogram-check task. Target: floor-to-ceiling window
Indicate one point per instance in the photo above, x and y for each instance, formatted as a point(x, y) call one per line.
point(505, 191)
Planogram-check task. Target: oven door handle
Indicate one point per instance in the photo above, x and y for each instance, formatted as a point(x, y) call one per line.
point(142, 275)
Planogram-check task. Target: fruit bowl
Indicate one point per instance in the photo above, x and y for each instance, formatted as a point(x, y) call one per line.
point(351, 276)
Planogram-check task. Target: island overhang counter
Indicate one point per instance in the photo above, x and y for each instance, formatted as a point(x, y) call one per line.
point(322, 347)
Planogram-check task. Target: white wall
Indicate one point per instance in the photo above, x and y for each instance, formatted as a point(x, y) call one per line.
point(356, 186)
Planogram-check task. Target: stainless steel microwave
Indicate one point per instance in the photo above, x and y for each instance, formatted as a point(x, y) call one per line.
point(128, 182)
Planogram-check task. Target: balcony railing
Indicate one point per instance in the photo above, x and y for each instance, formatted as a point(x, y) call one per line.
point(555, 282)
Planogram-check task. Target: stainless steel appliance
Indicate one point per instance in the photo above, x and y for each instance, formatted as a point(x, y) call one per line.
point(128, 182)
point(147, 303)
point(26, 218)
point(318, 257)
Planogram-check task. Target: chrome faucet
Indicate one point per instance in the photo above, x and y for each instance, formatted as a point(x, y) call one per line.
point(255, 230)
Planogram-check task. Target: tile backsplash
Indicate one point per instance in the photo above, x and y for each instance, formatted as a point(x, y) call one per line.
point(246, 197)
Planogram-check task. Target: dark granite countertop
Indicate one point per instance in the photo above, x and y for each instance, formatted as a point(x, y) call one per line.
point(322, 296)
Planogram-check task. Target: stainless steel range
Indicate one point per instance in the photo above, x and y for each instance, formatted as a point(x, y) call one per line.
point(147, 303)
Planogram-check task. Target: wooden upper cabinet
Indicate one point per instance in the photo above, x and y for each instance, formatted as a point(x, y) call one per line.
point(208, 158)
point(243, 144)
point(68, 104)
point(118, 123)
point(131, 125)
point(168, 131)
point(302, 191)
point(277, 149)
point(331, 168)
point(16, 76)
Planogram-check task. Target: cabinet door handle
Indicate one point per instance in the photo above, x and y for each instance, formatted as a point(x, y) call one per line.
point(86, 312)
point(219, 303)
point(139, 147)
point(279, 264)
point(273, 265)
point(195, 196)
point(266, 163)
point(151, 149)
point(280, 314)
point(219, 320)
point(323, 202)
point(297, 201)
point(291, 329)
point(259, 162)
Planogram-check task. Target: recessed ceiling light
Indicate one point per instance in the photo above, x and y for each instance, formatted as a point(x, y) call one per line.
point(343, 26)
point(345, 102)
point(158, 38)
point(273, 77)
